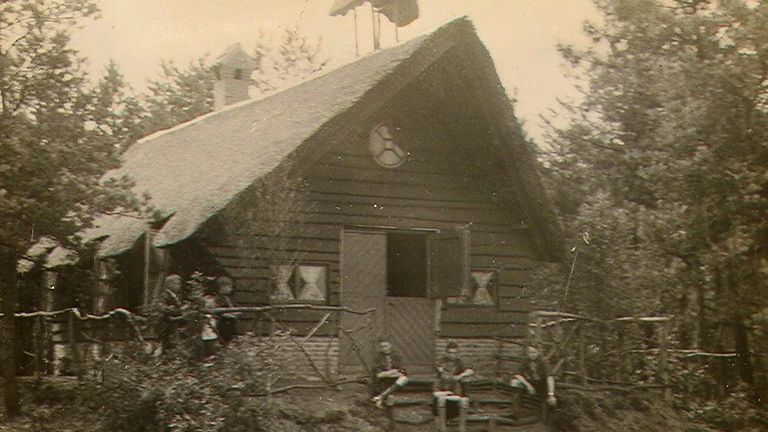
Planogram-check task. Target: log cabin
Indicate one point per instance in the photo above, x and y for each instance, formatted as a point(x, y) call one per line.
point(401, 182)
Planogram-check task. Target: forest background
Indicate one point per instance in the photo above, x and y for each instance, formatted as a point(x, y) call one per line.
point(659, 176)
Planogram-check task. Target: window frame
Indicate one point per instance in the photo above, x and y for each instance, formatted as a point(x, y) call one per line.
point(296, 264)
point(493, 289)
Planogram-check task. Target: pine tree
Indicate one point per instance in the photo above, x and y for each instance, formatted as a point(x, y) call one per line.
point(53, 145)
point(664, 163)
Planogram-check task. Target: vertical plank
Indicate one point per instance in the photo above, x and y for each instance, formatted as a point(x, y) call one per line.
point(72, 330)
point(582, 351)
point(364, 285)
point(146, 297)
point(47, 304)
point(37, 342)
point(623, 333)
point(663, 371)
point(538, 337)
point(409, 325)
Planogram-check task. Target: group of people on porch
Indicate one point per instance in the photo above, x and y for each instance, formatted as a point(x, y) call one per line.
point(184, 313)
point(450, 395)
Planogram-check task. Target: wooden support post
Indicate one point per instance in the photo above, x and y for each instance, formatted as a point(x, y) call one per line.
point(663, 372)
point(328, 367)
point(37, 341)
point(259, 330)
point(389, 412)
point(72, 325)
point(499, 363)
point(538, 338)
point(582, 352)
point(47, 304)
point(623, 348)
point(628, 343)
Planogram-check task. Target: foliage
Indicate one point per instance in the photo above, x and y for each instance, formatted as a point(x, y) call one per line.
point(174, 392)
point(733, 412)
point(178, 95)
point(54, 147)
point(286, 59)
point(181, 94)
point(55, 142)
point(663, 164)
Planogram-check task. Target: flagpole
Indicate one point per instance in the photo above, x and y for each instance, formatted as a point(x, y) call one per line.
point(376, 42)
point(357, 49)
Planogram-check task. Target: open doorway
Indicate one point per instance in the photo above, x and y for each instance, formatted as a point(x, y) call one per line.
point(407, 274)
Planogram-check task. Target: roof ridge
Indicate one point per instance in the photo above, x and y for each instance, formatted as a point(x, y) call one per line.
point(461, 20)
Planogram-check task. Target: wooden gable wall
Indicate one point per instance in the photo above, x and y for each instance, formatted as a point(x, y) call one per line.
point(450, 180)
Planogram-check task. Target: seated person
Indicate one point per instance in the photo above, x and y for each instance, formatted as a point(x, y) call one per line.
point(390, 376)
point(535, 377)
point(450, 392)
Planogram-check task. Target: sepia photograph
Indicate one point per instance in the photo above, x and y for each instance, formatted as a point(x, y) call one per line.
point(383, 215)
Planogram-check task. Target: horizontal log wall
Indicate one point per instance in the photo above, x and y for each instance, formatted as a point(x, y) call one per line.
point(444, 185)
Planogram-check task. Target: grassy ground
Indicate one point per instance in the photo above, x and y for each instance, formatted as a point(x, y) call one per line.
point(62, 405)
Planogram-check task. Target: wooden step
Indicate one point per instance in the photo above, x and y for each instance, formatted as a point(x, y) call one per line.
point(405, 402)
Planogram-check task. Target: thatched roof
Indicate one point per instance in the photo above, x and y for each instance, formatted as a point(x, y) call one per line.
point(194, 170)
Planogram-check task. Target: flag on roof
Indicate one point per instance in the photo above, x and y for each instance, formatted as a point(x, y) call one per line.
point(400, 12)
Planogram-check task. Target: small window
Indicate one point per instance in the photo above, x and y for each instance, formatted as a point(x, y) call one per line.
point(482, 290)
point(304, 282)
point(238, 74)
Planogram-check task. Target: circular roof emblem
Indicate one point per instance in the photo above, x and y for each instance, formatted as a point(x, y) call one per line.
point(384, 149)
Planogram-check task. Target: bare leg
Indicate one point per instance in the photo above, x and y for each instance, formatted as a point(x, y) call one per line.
point(402, 380)
point(463, 408)
point(440, 400)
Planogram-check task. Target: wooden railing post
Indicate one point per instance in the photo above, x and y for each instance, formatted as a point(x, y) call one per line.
point(72, 330)
point(663, 371)
point(582, 352)
point(37, 341)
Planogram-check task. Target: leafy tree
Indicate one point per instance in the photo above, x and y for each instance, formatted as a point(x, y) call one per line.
point(54, 144)
point(664, 164)
point(286, 60)
point(181, 94)
point(116, 113)
point(178, 95)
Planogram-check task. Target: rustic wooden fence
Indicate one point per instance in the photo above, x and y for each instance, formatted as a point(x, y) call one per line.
point(77, 332)
point(590, 354)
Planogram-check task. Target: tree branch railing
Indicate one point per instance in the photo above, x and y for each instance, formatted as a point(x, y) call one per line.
point(74, 335)
point(582, 340)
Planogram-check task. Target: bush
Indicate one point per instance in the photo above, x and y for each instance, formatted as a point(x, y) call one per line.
point(174, 392)
point(733, 412)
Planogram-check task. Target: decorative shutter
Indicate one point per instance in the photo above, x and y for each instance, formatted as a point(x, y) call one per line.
point(449, 263)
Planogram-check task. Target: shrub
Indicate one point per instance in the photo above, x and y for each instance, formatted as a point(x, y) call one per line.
point(175, 392)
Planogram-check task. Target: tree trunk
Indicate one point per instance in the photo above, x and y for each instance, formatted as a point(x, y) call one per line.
point(703, 323)
point(744, 357)
point(9, 293)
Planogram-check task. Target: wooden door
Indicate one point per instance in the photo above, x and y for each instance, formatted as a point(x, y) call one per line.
point(364, 285)
point(410, 328)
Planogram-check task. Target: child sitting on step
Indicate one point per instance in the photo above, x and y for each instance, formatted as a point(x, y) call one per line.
point(390, 375)
point(450, 391)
